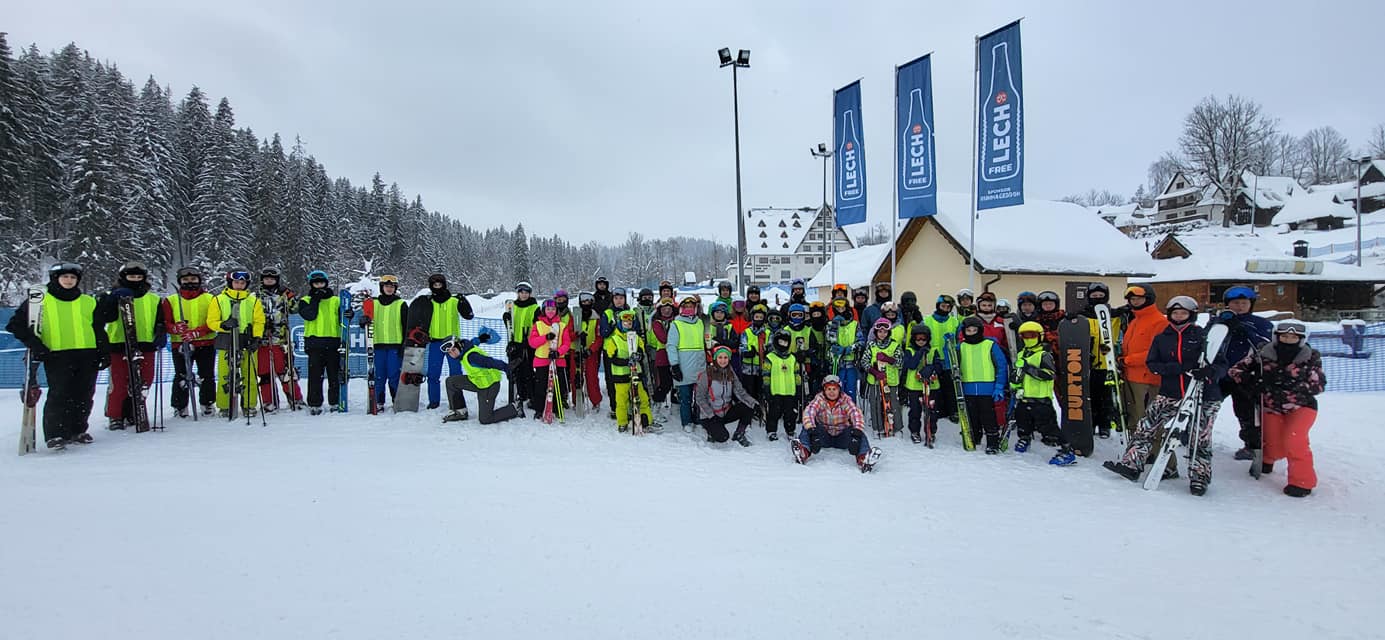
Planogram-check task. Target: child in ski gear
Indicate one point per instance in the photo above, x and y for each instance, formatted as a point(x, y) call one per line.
point(271, 361)
point(389, 314)
point(549, 341)
point(131, 282)
point(624, 364)
point(71, 342)
point(437, 312)
point(1175, 355)
point(320, 311)
point(601, 295)
point(754, 342)
point(817, 346)
point(185, 320)
point(880, 360)
point(520, 320)
point(1104, 411)
point(833, 421)
point(1287, 373)
point(797, 295)
point(687, 355)
point(842, 339)
point(607, 321)
point(752, 297)
point(1049, 315)
point(781, 377)
point(644, 309)
point(482, 377)
point(966, 299)
point(721, 399)
point(917, 377)
point(985, 374)
point(1248, 333)
point(720, 331)
point(724, 293)
point(657, 340)
point(587, 355)
point(1002, 309)
point(942, 326)
point(909, 313)
point(1033, 377)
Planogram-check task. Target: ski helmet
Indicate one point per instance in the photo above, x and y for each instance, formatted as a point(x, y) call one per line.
point(186, 272)
point(600, 280)
point(1049, 296)
point(1181, 302)
point(782, 340)
point(627, 317)
point(1029, 330)
point(972, 322)
point(270, 272)
point(1028, 296)
point(882, 286)
point(560, 293)
point(889, 307)
point(831, 380)
point(1239, 293)
point(317, 274)
point(237, 273)
point(1003, 306)
point(688, 300)
point(646, 294)
point(724, 284)
point(618, 291)
point(920, 329)
point(797, 308)
point(524, 287)
point(67, 268)
point(817, 307)
point(738, 306)
point(1098, 286)
point(585, 297)
point(882, 324)
point(760, 309)
point(1142, 290)
point(965, 293)
point(754, 288)
point(437, 278)
point(719, 306)
point(390, 280)
point(550, 304)
point(943, 299)
point(986, 295)
point(861, 292)
point(909, 299)
point(133, 268)
point(840, 291)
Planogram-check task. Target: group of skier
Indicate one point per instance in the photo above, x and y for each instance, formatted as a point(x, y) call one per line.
point(820, 371)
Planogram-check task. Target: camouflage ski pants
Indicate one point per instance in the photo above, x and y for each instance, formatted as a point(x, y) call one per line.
point(1150, 430)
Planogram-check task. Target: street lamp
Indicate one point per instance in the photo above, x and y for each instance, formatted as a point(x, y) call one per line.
point(742, 59)
point(1360, 173)
point(825, 213)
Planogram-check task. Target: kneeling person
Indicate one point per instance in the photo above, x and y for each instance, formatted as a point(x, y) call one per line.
point(482, 376)
point(722, 399)
point(832, 420)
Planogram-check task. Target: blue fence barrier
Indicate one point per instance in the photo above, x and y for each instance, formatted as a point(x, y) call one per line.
point(1353, 357)
point(12, 351)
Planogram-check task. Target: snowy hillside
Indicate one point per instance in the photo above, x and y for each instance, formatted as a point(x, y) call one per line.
point(399, 527)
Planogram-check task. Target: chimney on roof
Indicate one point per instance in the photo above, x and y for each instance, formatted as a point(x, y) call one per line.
point(1300, 248)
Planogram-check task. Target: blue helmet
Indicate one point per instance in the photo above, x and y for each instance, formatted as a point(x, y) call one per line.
point(317, 274)
point(1239, 293)
point(485, 335)
point(719, 305)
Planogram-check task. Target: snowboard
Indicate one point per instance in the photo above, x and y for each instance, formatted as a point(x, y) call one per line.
point(134, 361)
point(1186, 417)
point(1074, 367)
point(411, 373)
point(28, 426)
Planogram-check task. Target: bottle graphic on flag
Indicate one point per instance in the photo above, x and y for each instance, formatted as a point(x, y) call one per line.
point(849, 161)
point(1000, 146)
point(917, 142)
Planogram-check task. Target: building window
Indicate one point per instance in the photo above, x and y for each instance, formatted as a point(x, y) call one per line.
point(764, 260)
point(808, 260)
point(784, 274)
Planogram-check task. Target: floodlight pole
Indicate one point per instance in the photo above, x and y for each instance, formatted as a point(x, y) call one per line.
point(742, 60)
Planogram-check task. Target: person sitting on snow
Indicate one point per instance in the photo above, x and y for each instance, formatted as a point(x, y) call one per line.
point(832, 420)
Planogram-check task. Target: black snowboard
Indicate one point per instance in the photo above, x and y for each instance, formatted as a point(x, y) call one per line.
point(1074, 378)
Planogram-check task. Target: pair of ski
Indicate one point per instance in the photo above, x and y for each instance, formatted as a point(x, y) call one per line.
point(1188, 415)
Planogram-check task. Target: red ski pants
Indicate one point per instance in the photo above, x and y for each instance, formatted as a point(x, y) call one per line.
point(270, 365)
point(118, 393)
point(1286, 436)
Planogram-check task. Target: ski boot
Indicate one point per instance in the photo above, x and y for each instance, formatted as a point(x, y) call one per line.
point(611, 415)
point(622, 428)
point(225, 413)
point(1296, 492)
point(866, 461)
point(1170, 474)
point(455, 416)
point(650, 426)
point(116, 424)
point(1244, 454)
point(56, 443)
point(1021, 445)
point(208, 409)
point(519, 409)
point(1104, 433)
point(800, 452)
point(1197, 488)
point(182, 413)
point(433, 405)
point(740, 438)
point(1063, 458)
point(314, 411)
point(992, 450)
point(772, 436)
point(82, 438)
point(1265, 468)
point(1123, 471)
point(250, 412)
point(915, 437)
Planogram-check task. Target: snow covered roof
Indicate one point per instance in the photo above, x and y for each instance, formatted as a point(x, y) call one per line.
point(1219, 254)
point(1136, 218)
point(1271, 192)
point(1312, 205)
point(1212, 194)
point(770, 232)
point(855, 267)
point(1179, 193)
point(1041, 236)
point(1115, 210)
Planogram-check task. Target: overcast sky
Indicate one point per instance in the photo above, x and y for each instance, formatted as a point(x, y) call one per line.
point(592, 119)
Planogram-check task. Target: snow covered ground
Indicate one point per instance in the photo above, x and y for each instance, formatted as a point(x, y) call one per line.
point(401, 527)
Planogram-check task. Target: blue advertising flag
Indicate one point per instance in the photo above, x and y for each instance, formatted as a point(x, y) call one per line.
point(851, 155)
point(1000, 120)
point(918, 185)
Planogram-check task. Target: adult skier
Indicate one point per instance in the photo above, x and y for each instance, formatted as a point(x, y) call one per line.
point(833, 421)
point(687, 355)
point(279, 303)
point(724, 293)
point(1248, 333)
point(1146, 322)
point(150, 335)
point(797, 295)
point(909, 313)
point(588, 349)
point(482, 377)
point(1288, 374)
point(1175, 356)
point(237, 310)
point(72, 345)
point(321, 312)
point(437, 312)
point(942, 326)
point(601, 295)
point(520, 319)
point(985, 374)
point(185, 320)
point(883, 294)
point(721, 399)
point(1104, 411)
point(390, 315)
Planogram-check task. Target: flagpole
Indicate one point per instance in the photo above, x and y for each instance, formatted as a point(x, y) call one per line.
point(894, 197)
point(975, 142)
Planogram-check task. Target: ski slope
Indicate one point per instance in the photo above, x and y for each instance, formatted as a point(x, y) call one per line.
point(402, 527)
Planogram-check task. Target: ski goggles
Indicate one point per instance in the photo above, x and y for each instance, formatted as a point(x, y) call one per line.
point(524, 288)
point(394, 280)
point(66, 267)
point(797, 315)
point(1136, 290)
point(1291, 326)
point(1025, 335)
point(239, 275)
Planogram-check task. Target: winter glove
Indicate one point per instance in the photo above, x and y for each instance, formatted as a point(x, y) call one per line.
point(122, 292)
point(364, 321)
point(513, 351)
point(252, 344)
point(1203, 373)
point(884, 357)
point(677, 371)
point(320, 294)
point(998, 394)
point(103, 361)
point(38, 352)
point(180, 328)
point(229, 324)
point(348, 313)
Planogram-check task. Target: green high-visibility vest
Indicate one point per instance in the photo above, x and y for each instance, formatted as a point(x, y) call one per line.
point(444, 323)
point(1033, 387)
point(65, 325)
point(891, 370)
point(146, 314)
point(622, 352)
point(247, 310)
point(783, 374)
point(521, 321)
point(388, 325)
point(802, 335)
point(193, 312)
point(977, 365)
point(482, 377)
point(936, 331)
point(692, 336)
point(753, 341)
point(327, 324)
